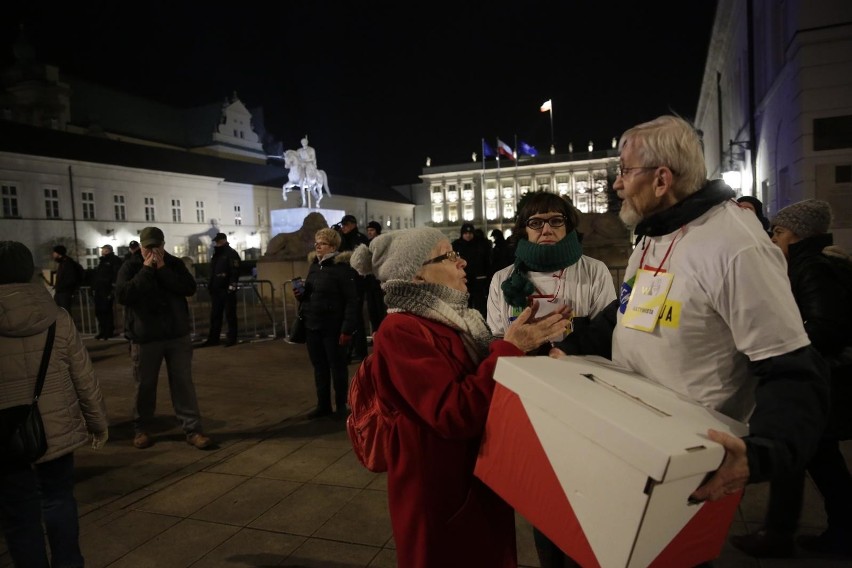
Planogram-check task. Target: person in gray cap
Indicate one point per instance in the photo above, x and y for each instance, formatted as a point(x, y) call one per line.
point(154, 287)
point(821, 279)
point(433, 363)
point(71, 406)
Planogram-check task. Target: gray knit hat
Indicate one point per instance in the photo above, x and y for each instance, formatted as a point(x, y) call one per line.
point(805, 218)
point(397, 255)
point(16, 263)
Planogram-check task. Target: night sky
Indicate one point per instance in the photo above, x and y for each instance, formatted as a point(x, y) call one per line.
point(379, 86)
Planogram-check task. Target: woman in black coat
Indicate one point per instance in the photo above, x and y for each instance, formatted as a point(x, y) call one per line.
point(821, 280)
point(329, 308)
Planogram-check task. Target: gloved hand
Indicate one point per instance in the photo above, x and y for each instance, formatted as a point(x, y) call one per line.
point(344, 339)
point(232, 288)
point(99, 439)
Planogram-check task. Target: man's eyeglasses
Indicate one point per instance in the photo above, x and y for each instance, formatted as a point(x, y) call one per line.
point(452, 256)
point(622, 171)
point(537, 223)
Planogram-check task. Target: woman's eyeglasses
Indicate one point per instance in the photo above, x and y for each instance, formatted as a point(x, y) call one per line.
point(320, 244)
point(537, 223)
point(451, 256)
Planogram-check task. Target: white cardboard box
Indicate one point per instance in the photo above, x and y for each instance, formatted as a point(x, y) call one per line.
point(603, 462)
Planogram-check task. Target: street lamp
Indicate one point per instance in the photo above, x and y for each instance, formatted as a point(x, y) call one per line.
point(734, 175)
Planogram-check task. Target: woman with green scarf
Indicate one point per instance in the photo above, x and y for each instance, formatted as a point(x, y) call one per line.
point(549, 265)
point(549, 269)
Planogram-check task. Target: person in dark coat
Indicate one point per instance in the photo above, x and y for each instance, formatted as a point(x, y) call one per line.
point(503, 254)
point(224, 275)
point(477, 254)
point(329, 306)
point(373, 288)
point(350, 238)
point(133, 248)
point(69, 277)
point(821, 280)
point(153, 286)
point(103, 283)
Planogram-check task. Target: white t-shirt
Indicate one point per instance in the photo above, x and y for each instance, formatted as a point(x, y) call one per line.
point(730, 301)
point(587, 284)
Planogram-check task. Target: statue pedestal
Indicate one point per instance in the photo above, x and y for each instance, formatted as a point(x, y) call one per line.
point(291, 220)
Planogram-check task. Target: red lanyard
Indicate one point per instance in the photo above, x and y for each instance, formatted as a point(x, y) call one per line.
point(668, 250)
point(558, 286)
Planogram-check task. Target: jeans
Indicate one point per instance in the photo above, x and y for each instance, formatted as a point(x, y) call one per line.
point(45, 492)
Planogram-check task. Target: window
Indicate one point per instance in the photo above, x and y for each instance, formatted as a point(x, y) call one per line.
point(92, 257)
point(88, 205)
point(238, 216)
point(176, 210)
point(150, 214)
point(10, 201)
point(51, 203)
point(842, 174)
point(120, 210)
point(199, 211)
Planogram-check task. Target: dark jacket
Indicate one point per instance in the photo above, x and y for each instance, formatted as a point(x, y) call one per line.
point(351, 240)
point(155, 299)
point(822, 286)
point(106, 274)
point(477, 254)
point(224, 268)
point(330, 300)
point(69, 275)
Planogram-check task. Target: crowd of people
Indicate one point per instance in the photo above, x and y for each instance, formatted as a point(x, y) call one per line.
point(758, 327)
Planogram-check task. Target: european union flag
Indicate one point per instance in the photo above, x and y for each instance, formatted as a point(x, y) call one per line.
point(527, 149)
point(487, 151)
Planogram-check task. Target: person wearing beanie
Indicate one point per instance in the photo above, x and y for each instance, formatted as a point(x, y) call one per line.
point(433, 362)
point(503, 253)
point(477, 252)
point(103, 287)
point(374, 229)
point(68, 279)
point(549, 268)
point(821, 282)
point(38, 498)
point(350, 238)
point(153, 287)
point(754, 205)
point(328, 307)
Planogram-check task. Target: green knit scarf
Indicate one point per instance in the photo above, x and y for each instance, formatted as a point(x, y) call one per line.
point(538, 258)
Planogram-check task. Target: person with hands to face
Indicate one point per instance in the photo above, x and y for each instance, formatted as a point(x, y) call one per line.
point(328, 307)
point(433, 365)
point(725, 331)
point(153, 287)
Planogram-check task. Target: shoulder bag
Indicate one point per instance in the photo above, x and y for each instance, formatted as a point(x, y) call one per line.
point(23, 437)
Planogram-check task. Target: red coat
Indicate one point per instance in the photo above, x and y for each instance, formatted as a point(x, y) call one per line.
point(442, 516)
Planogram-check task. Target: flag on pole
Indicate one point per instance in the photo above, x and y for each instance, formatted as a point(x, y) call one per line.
point(548, 105)
point(504, 149)
point(527, 149)
point(487, 151)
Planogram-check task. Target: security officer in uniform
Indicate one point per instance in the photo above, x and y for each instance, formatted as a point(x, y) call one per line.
point(224, 274)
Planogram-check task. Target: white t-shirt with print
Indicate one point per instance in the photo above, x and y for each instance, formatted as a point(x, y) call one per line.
point(587, 284)
point(729, 302)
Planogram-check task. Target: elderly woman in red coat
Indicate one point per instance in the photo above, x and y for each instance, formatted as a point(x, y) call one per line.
point(433, 361)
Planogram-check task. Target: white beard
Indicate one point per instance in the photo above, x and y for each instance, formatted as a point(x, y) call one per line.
point(628, 215)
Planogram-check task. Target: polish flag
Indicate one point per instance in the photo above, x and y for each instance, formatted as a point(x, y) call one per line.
point(548, 105)
point(504, 149)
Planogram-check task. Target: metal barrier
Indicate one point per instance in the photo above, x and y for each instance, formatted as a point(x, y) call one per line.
point(257, 312)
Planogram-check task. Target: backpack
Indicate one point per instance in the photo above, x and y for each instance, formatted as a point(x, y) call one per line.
point(367, 425)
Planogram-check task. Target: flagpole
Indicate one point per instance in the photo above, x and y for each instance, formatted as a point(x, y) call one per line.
point(552, 139)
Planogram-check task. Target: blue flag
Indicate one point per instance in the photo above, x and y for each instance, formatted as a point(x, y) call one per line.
point(527, 149)
point(486, 149)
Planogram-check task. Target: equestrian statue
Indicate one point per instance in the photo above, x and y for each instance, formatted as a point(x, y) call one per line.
point(304, 174)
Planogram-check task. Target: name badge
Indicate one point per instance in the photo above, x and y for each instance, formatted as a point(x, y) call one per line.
point(646, 299)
